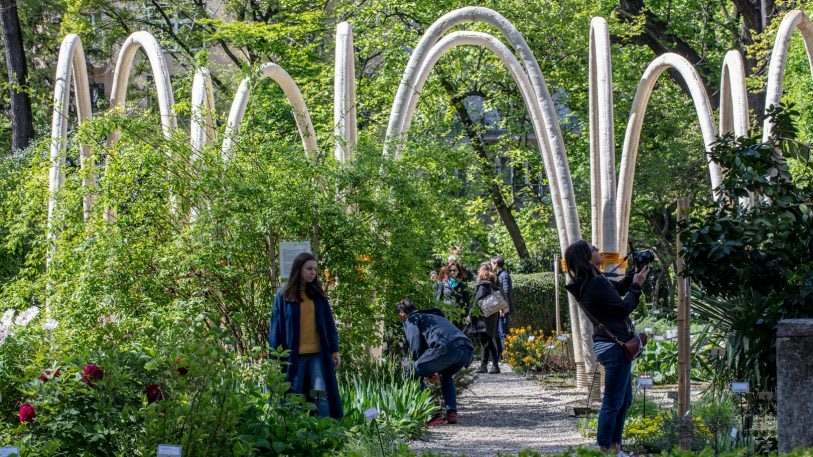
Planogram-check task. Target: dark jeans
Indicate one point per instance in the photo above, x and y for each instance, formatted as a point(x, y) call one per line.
point(617, 396)
point(310, 378)
point(502, 330)
point(445, 361)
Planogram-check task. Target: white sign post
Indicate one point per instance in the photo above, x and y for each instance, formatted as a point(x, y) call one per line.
point(288, 250)
point(8, 451)
point(645, 383)
point(741, 389)
point(169, 450)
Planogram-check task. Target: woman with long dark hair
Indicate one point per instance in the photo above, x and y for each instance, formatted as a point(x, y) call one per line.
point(302, 323)
point(602, 299)
point(486, 285)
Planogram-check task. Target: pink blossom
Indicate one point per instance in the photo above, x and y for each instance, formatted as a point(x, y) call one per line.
point(92, 372)
point(27, 413)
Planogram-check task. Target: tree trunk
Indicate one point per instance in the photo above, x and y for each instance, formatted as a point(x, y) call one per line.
point(22, 126)
point(479, 146)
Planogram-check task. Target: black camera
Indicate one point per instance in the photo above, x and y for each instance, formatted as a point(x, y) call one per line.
point(642, 258)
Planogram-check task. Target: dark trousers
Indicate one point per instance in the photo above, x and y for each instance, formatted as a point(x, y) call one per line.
point(445, 361)
point(617, 396)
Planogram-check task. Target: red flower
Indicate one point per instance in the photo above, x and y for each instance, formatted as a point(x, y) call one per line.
point(154, 393)
point(48, 374)
point(182, 370)
point(92, 372)
point(27, 413)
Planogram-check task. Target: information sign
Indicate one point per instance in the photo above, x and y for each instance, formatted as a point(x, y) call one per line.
point(739, 387)
point(169, 450)
point(288, 250)
point(371, 413)
point(8, 451)
point(645, 382)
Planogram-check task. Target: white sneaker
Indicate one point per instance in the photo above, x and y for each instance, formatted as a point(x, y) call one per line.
point(622, 454)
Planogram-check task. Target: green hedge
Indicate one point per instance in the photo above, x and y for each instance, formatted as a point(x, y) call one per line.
point(534, 301)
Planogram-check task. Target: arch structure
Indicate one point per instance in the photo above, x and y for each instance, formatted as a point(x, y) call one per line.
point(529, 79)
point(203, 130)
point(70, 67)
point(610, 197)
point(294, 96)
point(779, 56)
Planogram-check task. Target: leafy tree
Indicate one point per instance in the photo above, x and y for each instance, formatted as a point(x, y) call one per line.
point(753, 247)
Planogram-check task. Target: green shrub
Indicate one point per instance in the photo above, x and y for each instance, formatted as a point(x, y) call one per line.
point(403, 406)
point(659, 359)
point(177, 385)
point(534, 301)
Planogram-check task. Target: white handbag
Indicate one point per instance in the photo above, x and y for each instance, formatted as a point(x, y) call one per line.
point(493, 303)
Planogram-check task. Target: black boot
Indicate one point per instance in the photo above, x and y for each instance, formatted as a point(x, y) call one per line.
point(495, 369)
point(483, 368)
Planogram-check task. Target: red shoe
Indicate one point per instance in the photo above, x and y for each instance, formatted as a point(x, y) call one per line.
point(451, 417)
point(436, 420)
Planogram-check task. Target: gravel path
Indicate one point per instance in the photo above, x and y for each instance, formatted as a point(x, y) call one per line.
point(508, 413)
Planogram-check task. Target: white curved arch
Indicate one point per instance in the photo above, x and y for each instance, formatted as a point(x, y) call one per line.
point(203, 129)
point(602, 138)
point(292, 93)
point(160, 74)
point(779, 56)
point(345, 126)
point(70, 66)
point(505, 55)
point(633, 134)
point(202, 126)
point(733, 96)
point(399, 113)
point(567, 222)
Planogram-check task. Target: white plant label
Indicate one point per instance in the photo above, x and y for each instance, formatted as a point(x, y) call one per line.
point(169, 450)
point(8, 451)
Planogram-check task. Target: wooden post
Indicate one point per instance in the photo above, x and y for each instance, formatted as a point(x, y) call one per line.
point(683, 322)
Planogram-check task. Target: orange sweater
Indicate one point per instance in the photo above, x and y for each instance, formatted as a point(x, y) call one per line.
point(308, 336)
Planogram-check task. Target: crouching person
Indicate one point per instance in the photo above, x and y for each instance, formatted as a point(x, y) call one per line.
point(439, 350)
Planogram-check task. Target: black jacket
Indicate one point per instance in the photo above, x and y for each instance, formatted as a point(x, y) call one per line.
point(602, 298)
point(428, 328)
point(507, 287)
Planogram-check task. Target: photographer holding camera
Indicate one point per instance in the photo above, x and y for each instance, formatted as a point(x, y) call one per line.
point(601, 298)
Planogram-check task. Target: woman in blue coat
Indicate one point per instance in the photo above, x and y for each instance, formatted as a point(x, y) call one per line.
point(302, 322)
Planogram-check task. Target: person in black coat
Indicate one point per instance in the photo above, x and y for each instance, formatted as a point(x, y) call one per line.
point(602, 299)
point(486, 285)
point(438, 349)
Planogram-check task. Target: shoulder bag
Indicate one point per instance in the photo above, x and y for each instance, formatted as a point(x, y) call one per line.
point(632, 348)
point(493, 302)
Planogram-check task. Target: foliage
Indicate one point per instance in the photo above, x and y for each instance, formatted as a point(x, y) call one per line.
point(752, 248)
point(174, 383)
point(530, 351)
point(403, 406)
point(665, 430)
point(659, 359)
point(534, 301)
